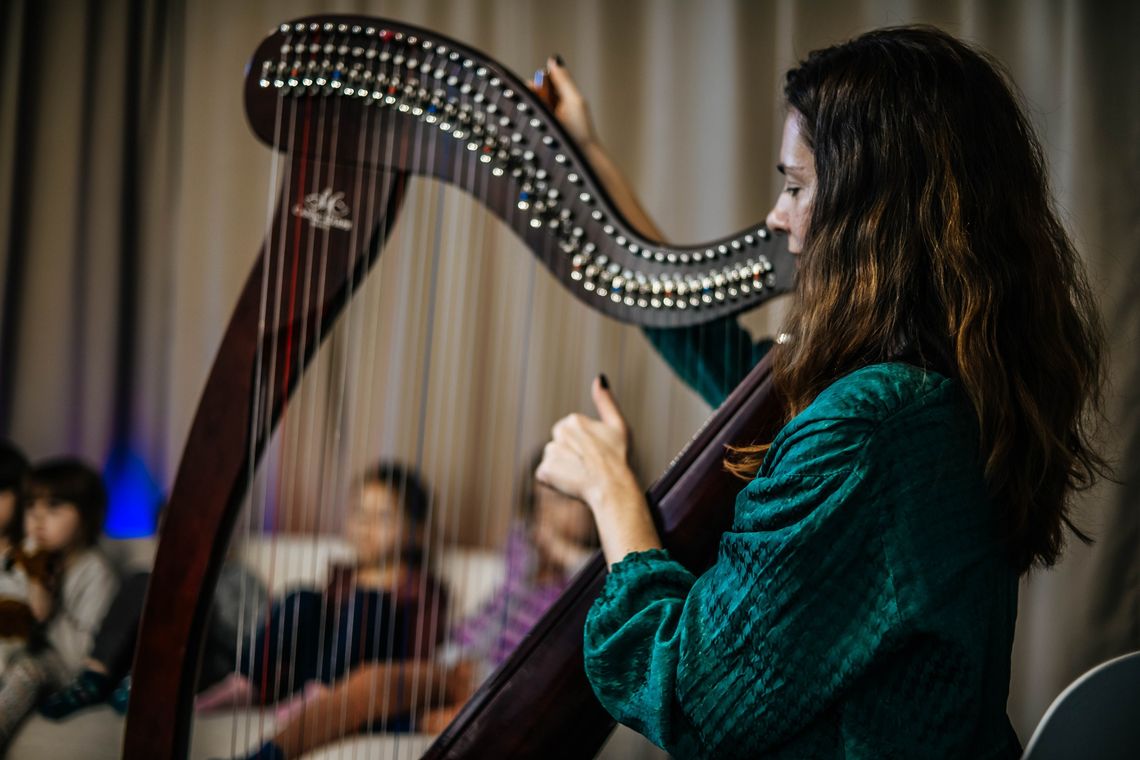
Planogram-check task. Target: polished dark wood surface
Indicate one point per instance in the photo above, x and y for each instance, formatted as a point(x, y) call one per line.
point(252, 378)
point(539, 704)
point(492, 116)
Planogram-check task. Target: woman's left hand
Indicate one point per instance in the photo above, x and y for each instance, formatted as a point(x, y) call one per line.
point(588, 459)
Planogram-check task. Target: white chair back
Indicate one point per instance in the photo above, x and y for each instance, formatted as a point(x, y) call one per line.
point(1097, 716)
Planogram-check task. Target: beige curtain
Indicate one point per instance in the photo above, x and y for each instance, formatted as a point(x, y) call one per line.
point(133, 200)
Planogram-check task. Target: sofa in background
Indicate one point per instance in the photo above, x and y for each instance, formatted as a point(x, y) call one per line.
point(282, 564)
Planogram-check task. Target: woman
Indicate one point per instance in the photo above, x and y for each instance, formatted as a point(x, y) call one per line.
point(945, 350)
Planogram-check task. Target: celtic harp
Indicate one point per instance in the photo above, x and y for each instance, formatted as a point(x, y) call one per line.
point(357, 108)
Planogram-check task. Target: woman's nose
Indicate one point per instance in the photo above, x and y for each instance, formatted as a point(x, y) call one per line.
point(777, 220)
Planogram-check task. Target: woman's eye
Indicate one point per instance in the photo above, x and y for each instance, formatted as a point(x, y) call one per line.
point(792, 191)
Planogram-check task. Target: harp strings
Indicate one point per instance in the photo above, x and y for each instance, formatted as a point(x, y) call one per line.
point(279, 489)
point(339, 479)
point(290, 503)
point(432, 227)
point(272, 512)
point(359, 346)
point(406, 289)
point(469, 265)
point(381, 141)
point(259, 417)
point(477, 187)
point(439, 446)
point(264, 376)
point(311, 398)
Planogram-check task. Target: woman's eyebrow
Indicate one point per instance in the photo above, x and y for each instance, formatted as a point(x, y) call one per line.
point(785, 168)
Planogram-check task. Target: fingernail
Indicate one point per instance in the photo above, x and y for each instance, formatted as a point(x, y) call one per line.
point(605, 383)
point(538, 74)
point(558, 59)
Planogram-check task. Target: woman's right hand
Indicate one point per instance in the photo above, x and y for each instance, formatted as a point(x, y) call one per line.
point(564, 100)
point(561, 95)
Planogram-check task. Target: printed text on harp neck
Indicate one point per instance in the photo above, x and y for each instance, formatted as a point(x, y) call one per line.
point(325, 210)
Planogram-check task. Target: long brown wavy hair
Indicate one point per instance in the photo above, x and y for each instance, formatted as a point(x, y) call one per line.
point(933, 239)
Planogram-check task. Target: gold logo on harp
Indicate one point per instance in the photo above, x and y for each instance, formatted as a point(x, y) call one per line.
point(325, 210)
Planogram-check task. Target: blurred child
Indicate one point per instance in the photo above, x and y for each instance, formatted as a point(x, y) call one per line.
point(105, 677)
point(385, 606)
point(17, 621)
point(65, 503)
point(13, 467)
point(552, 541)
point(545, 548)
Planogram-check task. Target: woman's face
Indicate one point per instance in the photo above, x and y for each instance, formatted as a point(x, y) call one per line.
point(53, 525)
point(793, 208)
point(375, 523)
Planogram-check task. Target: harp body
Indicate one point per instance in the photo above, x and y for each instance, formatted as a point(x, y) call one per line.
point(357, 106)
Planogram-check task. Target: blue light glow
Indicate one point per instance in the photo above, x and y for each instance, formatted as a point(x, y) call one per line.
point(134, 496)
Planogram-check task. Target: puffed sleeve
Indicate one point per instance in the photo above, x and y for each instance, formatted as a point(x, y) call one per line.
point(739, 661)
point(711, 358)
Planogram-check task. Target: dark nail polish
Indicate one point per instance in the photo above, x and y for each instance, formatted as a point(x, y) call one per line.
point(605, 383)
point(558, 59)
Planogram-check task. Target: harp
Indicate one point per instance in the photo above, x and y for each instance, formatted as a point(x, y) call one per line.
point(357, 106)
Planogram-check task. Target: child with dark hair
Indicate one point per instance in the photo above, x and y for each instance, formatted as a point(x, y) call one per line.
point(13, 466)
point(552, 539)
point(17, 565)
point(65, 503)
point(106, 671)
point(382, 607)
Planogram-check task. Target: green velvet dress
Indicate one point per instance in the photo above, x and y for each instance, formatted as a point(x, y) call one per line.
point(861, 606)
